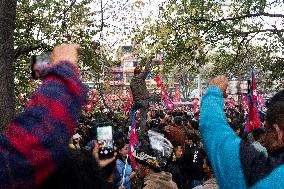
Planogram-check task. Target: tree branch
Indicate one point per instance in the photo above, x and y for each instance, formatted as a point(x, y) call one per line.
point(68, 8)
point(239, 32)
point(23, 50)
point(238, 17)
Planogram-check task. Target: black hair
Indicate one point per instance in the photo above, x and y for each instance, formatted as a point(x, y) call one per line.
point(275, 110)
point(194, 124)
point(178, 120)
point(257, 133)
point(78, 170)
point(194, 137)
point(176, 144)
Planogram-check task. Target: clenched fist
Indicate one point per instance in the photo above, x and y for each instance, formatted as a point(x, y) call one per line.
point(65, 52)
point(221, 82)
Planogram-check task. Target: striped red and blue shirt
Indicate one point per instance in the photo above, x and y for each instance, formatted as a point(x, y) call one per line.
point(33, 144)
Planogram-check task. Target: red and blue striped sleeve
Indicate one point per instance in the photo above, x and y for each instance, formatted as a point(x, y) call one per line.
point(33, 144)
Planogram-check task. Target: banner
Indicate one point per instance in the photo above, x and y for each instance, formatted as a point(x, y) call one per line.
point(253, 120)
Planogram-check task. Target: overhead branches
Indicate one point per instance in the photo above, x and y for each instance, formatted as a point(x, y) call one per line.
point(237, 17)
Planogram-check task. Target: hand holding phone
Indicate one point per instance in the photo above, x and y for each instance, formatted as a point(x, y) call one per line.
point(102, 162)
point(64, 52)
point(105, 142)
point(40, 63)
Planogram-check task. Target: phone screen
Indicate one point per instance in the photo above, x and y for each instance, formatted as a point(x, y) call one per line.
point(105, 141)
point(39, 63)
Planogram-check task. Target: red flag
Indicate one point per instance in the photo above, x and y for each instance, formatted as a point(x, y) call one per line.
point(177, 94)
point(90, 106)
point(128, 103)
point(133, 141)
point(260, 101)
point(164, 94)
point(158, 80)
point(169, 104)
point(253, 120)
point(195, 105)
point(244, 102)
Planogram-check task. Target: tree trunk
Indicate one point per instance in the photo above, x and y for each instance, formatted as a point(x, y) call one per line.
point(7, 25)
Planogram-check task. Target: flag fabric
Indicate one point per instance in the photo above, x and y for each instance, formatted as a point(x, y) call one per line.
point(128, 103)
point(133, 142)
point(177, 94)
point(158, 80)
point(164, 94)
point(260, 101)
point(90, 104)
point(195, 104)
point(253, 120)
point(244, 102)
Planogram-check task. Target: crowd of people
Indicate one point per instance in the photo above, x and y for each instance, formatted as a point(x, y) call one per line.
point(46, 147)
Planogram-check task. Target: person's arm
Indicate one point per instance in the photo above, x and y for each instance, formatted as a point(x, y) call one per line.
point(146, 71)
point(221, 143)
point(32, 145)
point(236, 164)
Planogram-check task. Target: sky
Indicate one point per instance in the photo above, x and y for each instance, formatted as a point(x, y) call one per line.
point(114, 35)
point(150, 9)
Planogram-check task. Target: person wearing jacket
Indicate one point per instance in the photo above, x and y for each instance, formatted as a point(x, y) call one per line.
point(237, 164)
point(211, 182)
point(33, 144)
point(127, 175)
point(140, 94)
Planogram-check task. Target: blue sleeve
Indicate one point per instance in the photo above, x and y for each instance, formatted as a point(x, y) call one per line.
point(120, 169)
point(221, 143)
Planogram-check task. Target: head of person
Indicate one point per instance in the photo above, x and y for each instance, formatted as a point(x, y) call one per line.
point(192, 138)
point(78, 169)
point(274, 138)
point(137, 70)
point(153, 157)
point(259, 135)
point(177, 150)
point(207, 169)
point(123, 149)
point(178, 120)
point(193, 124)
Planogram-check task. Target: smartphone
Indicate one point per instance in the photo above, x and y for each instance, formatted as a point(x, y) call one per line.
point(105, 142)
point(39, 63)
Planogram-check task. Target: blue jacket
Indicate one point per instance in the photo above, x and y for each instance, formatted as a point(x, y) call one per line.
point(236, 164)
point(120, 168)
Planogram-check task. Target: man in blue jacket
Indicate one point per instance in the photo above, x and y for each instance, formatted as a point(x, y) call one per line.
point(237, 164)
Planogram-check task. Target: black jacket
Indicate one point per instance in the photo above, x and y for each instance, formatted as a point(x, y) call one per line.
point(193, 162)
point(138, 85)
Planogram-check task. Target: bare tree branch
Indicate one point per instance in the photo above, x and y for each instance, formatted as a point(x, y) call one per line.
point(68, 8)
point(23, 50)
point(239, 32)
point(238, 17)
